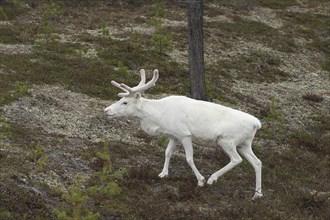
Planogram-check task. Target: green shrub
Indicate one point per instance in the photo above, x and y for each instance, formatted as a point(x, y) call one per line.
point(161, 39)
point(3, 15)
point(122, 69)
point(42, 164)
point(105, 182)
point(5, 130)
point(77, 200)
point(37, 153)
point(4, 214)
point(21, 88)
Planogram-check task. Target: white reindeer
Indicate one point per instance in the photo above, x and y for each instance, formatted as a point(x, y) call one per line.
point(188, 120)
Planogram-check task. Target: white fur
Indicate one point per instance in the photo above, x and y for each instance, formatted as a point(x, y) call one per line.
point(188, 120)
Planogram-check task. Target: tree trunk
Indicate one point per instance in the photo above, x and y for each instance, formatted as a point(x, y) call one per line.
point(196, 50)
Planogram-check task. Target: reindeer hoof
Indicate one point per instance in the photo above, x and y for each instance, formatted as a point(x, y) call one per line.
point(211, 180)
point(257, 195)
point(201, 182)
point(163, 175)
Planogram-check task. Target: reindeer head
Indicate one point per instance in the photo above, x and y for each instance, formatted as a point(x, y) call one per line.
point(130, 100)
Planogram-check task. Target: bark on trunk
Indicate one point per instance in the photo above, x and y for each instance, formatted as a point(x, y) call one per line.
point(196, 50)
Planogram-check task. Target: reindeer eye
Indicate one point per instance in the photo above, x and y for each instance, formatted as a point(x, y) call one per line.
point(124, 103)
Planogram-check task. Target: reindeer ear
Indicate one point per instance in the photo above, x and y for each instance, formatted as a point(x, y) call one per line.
point(137, 95)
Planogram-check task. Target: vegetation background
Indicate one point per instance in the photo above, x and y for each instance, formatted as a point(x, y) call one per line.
point(61, 159)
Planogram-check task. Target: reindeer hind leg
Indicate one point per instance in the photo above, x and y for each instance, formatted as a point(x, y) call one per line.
point(235, 159)
point(246, 151)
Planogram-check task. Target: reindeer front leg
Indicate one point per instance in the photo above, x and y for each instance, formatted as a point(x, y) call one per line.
point(168, 153)
point(187, 144)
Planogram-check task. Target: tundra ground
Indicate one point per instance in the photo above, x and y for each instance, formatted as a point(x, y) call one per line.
point(57, 58)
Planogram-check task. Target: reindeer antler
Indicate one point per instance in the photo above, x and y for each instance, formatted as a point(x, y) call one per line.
point(128, 91)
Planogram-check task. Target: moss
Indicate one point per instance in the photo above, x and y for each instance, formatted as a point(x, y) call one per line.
point(312, 27)
point(142, 135)
point(59, 63)
point(58, 69)
point(11, 89)
point(321, 44)
point(4, 214)
point(256, 67)
point(7, 35)
point(3, 15)
point(256, 31)
point(316, 139)
point(313, 97)
point(13, 11)
point(21, 203)
point(326, 66)
point(275, 4)
point(312, 204)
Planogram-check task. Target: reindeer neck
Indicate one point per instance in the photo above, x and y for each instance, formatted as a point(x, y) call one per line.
point(151, 110)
